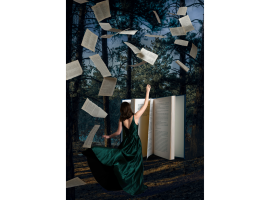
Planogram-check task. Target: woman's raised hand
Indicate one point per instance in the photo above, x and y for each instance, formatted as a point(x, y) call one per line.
point(148, 87)
point(106, 136)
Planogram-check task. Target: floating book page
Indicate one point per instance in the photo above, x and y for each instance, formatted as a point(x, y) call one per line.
point(132, 32)
point(182, 11)
point(93, 109)
point(186, 23)
point(107, 27)
point(100, 65)
point(184, 67)
point(157, 16)
point(107, 86)
point(90, 137)
point(147, 56)
point(133, 48)
point(193, 51)
point(172, 14)
point(74, 182)
point(73, 69)
point(178, 31)
point(101, 10)
point(89, 40)
point(155, 36)
point(181, 42)
point(106, 36)
point(138, 64)
point(81, 1)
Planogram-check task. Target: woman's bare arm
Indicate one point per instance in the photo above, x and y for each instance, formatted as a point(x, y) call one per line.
point(143, 108)
point(116, 133)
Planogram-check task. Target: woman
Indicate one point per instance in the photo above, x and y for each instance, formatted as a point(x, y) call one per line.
point(122, 168)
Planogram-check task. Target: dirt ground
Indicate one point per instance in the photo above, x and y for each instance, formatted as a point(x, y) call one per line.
point(166, 179)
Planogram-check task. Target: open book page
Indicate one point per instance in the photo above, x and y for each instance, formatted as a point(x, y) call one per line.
point(182, 11)
point(178, 31)
point(81, 1)
point(107, 27)
point(93, 109)
point(106, 36)
point(100, 65)
point(107, 86)
point(150, 146)
point(101, 10)
point(193, 51)
point(132, 32)
point(90, 137)
point(186, 23)
point(138, 64)
point(73, 69)
point(162, 127)
point(157, 16)
point(181, 42)
point(74, 182)
point(160, 36)
point(89, 40)
point(133, 48)
point(184, 67)
point(147, 56)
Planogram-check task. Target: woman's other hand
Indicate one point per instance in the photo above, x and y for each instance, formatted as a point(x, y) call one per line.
point(106, 136)
point(148, 87)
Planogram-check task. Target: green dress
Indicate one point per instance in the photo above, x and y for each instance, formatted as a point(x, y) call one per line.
point(122, 168)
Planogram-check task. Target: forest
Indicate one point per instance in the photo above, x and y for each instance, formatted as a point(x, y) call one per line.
point(165, 76)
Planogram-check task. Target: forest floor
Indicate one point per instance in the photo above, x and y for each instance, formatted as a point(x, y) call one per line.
point(166, 179)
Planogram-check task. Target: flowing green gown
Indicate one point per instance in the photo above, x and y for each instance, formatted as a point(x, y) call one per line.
point(122, 168)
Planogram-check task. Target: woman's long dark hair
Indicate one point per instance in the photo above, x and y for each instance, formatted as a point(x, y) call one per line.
point(125, 111)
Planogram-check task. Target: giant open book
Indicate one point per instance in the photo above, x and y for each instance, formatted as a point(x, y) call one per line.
point(162, 126)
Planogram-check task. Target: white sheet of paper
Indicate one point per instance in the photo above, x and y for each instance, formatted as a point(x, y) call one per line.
point(157, 16)
point(186, 23)
point(132, 32)
point(182, 11)
point(184, 67)
point(107, 27)
point(93, 109)
point(90, 137)
point(178, 31)
point(106, 36)
point(100, 65)
point(107, 86)
point(81, 1)
point(138, 64)
point(74, 182)
point(181, 42)
point(73, 69)
point(147, 56)
point(89, 40)
point(161, 36)
point(101, 10)
point(193, 51)
point(150, 130)
point(133, 48)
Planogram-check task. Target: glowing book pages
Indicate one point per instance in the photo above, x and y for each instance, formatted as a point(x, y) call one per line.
point(182, 11)
point(90, 137)
point(133, 48)
point(181, 42)
point(178, 31)
point(186, 23)
point(184, 67)
point(100, 65)
point(73, 69)
point(147, 56)
point(107, 27)
point(74, 182)
point(193, 51)
point(101, 10)
point(166, 120)
point(138, 64)
point(107, 87)
point(155, 36)
point(89, 40)
point(81, 1)
point(93, 109)
point(157, 16)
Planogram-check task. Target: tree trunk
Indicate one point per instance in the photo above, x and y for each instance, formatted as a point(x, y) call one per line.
point(70, 192)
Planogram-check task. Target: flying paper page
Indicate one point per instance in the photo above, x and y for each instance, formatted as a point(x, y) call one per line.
point(80, 1)
point(138, 64)
point(89, 139)
point(172, 14)
point(74, 182)
point(73, 69)
point(107, 87)
point(93, 109)
point(133, 48)
point(128, 32)
point(193, 51)
point(181, 42)
point(155, 36)
point(100, 65)
point(147, 56)
point(106, 36)
point(177, 31)
point(157, 16)
point(89, 40)
point(107, 27)
point(101, 10)
point(182, 11)
point(184, 67)
point(186, 23)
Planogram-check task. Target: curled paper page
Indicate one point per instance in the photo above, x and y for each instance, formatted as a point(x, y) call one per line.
point(186, 23)
point(93, 109)
point(90, 137)
point(181, 42)
point(107, 27)
point(106, 36)
point(73, 69)
point(133, 48)
point(101, 10)
point(132, 32)
point(138, 64)
point(193, 51)
point(182, 11)
point(157, 16)
point(74, 182)
point(107, 87)
point(184, 67)
point(178, 31)
point(81, 1)
point(89, 40)
point(155, 36)
point(100, 65)
point(147, 56)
